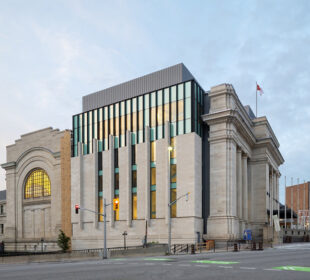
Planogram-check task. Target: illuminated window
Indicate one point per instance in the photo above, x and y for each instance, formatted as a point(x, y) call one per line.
point(37, 184)
point(134, 206)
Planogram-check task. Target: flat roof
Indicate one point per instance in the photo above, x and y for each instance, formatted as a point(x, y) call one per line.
point(157, 80)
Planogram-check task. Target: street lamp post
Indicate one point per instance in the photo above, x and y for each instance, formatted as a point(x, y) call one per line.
point(169, 220)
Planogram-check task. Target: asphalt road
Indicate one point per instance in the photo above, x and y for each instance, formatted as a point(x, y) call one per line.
point(250, 265)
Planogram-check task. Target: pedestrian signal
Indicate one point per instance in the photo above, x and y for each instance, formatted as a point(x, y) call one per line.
point(77, 207)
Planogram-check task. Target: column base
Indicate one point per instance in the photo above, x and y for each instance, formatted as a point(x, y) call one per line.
point(223, 227)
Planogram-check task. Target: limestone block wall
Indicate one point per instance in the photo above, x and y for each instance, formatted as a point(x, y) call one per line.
point(189, 216)
point(30, 220)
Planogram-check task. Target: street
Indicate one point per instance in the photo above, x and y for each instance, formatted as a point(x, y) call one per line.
point(288, 262)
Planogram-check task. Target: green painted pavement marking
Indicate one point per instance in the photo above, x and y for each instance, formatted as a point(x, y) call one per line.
point(157, 259)
point(293, 268)
point(215, 262)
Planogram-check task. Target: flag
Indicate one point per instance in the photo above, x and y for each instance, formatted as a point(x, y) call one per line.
point(258, 88)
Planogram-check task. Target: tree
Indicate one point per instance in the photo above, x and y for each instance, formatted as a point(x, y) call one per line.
point(63, 241)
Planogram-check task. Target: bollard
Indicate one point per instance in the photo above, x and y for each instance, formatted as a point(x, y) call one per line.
point(254, 246)
point(260, 246)
point(235, 247)
point(192, 249)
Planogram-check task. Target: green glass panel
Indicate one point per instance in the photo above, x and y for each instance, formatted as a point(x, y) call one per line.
point(116, 192)
point(173, 160)
point(159, 97)
point(173, 93)
point(133, 139)
point(153, 188)
point(146, 101)
point(173, 129)
point(75, 122)
point(180, 127)
point(159, 132)
point(153, 99)
point(180, 91)
point(134, 167)
point(187, 89)
point(187, 108)
point(100, 194)
point(173, 185)
point(153, 164)
point(166, 96)
point(134, 190)
point(100, 146)
point(116, 170)
point(100, 172)
point(153, 134)
point(115, 142)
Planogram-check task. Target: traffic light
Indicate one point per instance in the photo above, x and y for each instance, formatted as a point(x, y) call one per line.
point(115, 204)
point(77, 207)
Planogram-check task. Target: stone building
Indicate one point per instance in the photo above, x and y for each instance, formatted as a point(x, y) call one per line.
point(35, 190)
point(148, 142)
point(2, 213)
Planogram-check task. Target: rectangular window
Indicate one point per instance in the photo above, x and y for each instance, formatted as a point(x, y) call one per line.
point(153, 204)
point(173, 196)
point(153, 151)
point(173, 151)
point(128, 115)
point(1, 228)
point(115, 158)
point(173, 173)
point(100, 124)
point(116, 119)
point(116, 181)
point(106, 126)
point(134, 206)
point(111, 118)
point(153, 176)
point(1, 209)
point(133, 154)
point(100, 206)
point(167, 105)
point(134, 179)
point(134, 114)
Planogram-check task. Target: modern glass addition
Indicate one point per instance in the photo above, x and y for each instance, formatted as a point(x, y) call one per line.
point(181, 105)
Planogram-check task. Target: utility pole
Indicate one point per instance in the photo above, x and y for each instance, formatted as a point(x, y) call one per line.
point(77, 208)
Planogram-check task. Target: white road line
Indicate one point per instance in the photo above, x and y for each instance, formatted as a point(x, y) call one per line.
point(166, 263)
point(201, 265)
point(149, 263)
point(247, 267)
point(273, 269)
point(184, 264)
point(223, 266)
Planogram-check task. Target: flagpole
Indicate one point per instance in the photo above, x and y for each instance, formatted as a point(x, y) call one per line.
point(256, 100)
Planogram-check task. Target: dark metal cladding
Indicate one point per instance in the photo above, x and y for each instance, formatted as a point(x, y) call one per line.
point(148, 83)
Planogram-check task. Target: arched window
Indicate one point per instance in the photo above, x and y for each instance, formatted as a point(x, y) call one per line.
point(37, 184)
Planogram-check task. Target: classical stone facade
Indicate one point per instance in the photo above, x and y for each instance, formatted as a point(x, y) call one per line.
point(33, 220)
point(2, 214)
point(244, 174)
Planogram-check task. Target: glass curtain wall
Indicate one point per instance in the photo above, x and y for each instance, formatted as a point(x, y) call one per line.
point(181, 105)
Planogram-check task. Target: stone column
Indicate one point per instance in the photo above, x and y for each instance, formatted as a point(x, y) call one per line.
point(245, 186)
point(239, 188)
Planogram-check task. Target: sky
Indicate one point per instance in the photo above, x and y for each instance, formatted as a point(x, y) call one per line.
point(54, 52)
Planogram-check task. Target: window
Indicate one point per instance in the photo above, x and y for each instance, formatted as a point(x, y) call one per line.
point(37, 184)
point(133, 154)
point(153, 176)
point(115, 158)
point(134, 179)
point(134, 206)
point(116, 212)
point(153, 204)
point(1, 209)
point(153, 151)
point(1, 228)
point(173, 197)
